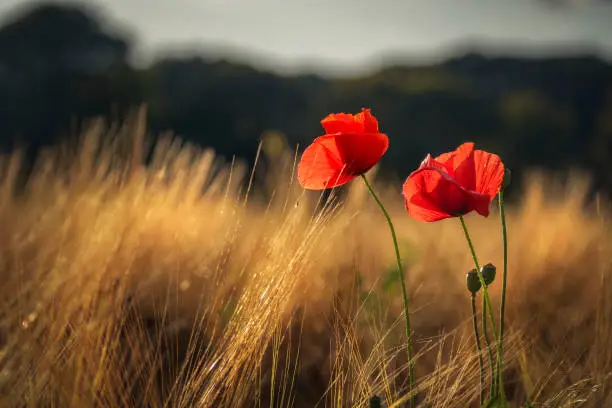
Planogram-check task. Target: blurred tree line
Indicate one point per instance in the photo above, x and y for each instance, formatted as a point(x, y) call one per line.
point(60, 64)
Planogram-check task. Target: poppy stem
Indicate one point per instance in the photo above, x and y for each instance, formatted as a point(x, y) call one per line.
point(502, 308)
point(400, 272)
point(489, 349)
point(480, 360)
point(485, 292)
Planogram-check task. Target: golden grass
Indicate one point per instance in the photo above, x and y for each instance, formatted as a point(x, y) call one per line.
point(162, 286)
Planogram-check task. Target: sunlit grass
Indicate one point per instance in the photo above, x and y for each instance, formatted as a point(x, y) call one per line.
point(164, 286)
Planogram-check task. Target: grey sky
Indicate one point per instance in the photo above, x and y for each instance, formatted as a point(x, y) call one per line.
point(343, 34)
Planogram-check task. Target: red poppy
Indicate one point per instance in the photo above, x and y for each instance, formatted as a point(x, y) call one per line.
point(453, 184)
point(351, 146)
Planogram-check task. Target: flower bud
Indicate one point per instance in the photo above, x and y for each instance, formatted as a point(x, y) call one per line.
point(488, 273)
point(507, 178)
point(472, 281)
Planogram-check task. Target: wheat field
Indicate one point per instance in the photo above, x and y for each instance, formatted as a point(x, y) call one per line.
point(176, 285)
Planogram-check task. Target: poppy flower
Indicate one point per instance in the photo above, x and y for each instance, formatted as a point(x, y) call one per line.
point(350, 146)
point(453, 184)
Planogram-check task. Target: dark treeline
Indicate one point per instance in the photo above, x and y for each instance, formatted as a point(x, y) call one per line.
point(59, 65)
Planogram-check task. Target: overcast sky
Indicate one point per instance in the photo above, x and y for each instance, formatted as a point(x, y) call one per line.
point(353, 33)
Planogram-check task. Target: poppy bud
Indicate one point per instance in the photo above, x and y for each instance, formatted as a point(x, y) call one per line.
point(507, 178)
point(472, 281)
point(488, 273)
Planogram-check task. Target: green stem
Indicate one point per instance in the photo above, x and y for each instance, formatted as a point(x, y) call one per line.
point(400, 272)
point(502, 309)
point(485, 293)
point(489, 349)
point(480, 362)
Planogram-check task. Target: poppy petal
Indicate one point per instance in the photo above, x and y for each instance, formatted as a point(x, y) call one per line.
point(416, 196)
point(430, 162)
point(489, 170)
point(475, 170)
point(460, 164)
point(360, 152)
point(363, 122)
point(367, 120)
point(341, 122)
point(431, 195)
point(423, 211)
point(446, 158)
point(321, 166)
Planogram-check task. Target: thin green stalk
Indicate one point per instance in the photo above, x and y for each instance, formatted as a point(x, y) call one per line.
point(485, 292)
point(480, 361)
point(492, 390)
point(502, 308)
point(400, 272)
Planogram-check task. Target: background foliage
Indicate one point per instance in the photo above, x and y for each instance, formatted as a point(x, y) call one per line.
point(60, 64)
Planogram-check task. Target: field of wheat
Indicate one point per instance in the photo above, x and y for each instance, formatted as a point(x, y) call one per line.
point(176, 285)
